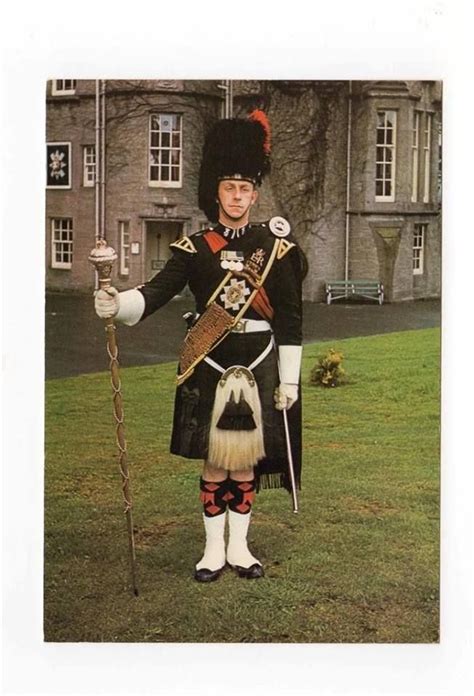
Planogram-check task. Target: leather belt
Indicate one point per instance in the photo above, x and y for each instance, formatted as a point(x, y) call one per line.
point(246, 325)
point(251, 326)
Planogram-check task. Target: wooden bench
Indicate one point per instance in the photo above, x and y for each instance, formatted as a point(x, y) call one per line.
point(370, 289)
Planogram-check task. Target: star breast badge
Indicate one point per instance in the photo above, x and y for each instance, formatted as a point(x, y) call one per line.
point(234, 294)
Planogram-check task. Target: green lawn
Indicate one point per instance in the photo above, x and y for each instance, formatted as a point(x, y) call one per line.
point(360, 563)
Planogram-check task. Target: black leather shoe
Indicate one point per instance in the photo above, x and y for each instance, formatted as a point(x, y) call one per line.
point(254, 571)
point(206, 575)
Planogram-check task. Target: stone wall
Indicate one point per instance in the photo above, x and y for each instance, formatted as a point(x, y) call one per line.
point(381, 233)
point(307, 185)
point(129, 197)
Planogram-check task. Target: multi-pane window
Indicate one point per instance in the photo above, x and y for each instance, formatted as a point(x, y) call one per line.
point(61, 243)
point(124, 234)
point(64, 86)
point(415, 155)
point(385, 156)
point(88, 165)
point(419, 239)
point(427, 157)
point(165, 150)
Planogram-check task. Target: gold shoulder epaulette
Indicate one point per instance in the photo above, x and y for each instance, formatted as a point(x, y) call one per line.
point(185, 244)
point(284, 247)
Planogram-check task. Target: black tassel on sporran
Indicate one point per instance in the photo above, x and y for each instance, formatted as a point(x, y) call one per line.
point(237, 415)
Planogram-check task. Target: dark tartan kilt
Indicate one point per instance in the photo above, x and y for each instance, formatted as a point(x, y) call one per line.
point(195, 399)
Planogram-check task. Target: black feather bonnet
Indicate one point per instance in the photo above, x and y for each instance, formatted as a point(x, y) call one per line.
point(235, 148)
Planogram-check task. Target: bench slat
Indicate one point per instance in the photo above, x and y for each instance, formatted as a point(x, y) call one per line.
point(370, 289)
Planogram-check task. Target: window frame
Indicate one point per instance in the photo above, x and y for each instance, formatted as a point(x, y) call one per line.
point(86, 166)
point(164, 183)
point(393, 147)
point(58, 91)
point(62, 265)
point(124, 230)
point(415, 155)
point(427, 149)
point(418, 260)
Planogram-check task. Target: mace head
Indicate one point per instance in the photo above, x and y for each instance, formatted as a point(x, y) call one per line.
point(103, 257)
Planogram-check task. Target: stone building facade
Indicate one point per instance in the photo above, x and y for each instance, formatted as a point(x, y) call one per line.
point(123, 160)
point(394, 206)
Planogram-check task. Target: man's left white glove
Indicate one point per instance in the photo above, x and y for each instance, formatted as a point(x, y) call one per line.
point(286, 394)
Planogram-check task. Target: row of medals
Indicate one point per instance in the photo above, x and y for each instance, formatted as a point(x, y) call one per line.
point(232, 260)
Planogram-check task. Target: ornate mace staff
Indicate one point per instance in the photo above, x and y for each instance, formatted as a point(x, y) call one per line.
point(103, 257)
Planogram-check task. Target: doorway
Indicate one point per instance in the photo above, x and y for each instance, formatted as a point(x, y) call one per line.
point(159, 234)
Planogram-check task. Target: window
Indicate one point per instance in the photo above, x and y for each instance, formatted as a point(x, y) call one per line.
point(419, 236)
point(64, 87)
point(61, 243)
point(165, 150)
point(427, 157)
point(124, 248)
point(88, 165)
point(385, 156)
point(415, 155)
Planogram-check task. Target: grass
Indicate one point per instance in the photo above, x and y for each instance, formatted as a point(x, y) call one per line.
point(359, 564)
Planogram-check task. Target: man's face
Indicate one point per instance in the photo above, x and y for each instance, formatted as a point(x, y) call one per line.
point(235, 198)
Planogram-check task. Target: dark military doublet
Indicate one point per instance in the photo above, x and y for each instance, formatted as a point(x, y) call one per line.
point(203, 261)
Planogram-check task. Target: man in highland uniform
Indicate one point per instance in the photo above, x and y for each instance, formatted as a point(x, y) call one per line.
point(240, 363)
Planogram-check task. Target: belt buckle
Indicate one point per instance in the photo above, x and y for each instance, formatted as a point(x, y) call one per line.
point(240, 326)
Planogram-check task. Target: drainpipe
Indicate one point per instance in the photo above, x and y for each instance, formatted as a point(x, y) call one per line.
point(231, 98)
point(96, 175)
point(97, 142)
point(102, 161)
point(348, 185)
point(226, 87)
point(223, 87)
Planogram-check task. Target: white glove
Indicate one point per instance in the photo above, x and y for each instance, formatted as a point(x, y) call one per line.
point(290, 362)
point(289, 358)
point(126, 307)
point(107, 303)
point(285, 396)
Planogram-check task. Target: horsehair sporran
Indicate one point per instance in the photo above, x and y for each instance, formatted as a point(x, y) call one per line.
point(227, 448)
